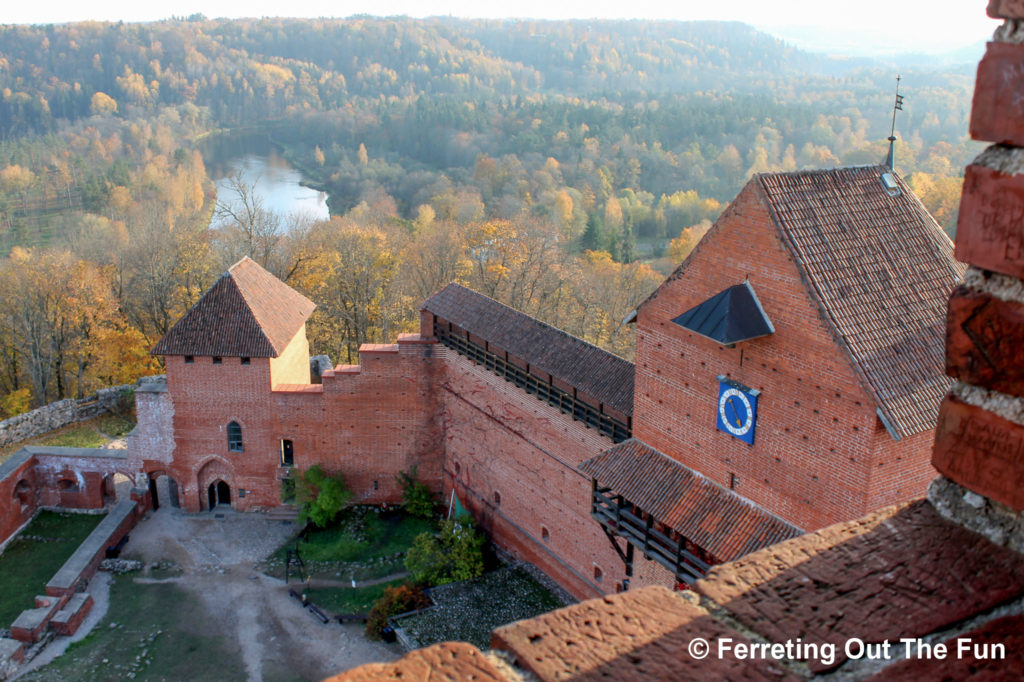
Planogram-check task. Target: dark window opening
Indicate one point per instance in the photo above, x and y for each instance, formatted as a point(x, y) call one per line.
point(245, 361)
point(234, 437)
point(287, 452)
point(189, 359)
point(497, 497)
point(544, 534)
point(376, 485)
point(217, 360)
point(733, 481)
point(598, 574)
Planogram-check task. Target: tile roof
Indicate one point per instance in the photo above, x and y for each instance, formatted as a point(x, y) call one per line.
point(591, 370)
point(247, 313)
point(728, 317)
point(881, 271)
point(718, 520)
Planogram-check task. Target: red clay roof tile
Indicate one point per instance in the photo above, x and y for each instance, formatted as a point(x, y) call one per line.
point(881, 271)
point(247, 313)
point(718, 520)
point(596, 372)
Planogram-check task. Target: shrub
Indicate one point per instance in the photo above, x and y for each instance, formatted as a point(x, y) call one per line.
point(395, 600)
point(124, 405)
point(288, 489)
point(321, 496)
point(416, 496)
point(455, 554)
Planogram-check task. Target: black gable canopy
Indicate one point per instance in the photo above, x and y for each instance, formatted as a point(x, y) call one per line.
point(728, 317)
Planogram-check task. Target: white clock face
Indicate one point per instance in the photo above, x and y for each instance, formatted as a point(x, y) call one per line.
point(734, 409)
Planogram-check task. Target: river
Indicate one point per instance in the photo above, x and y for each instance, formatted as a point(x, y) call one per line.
point(258, 162)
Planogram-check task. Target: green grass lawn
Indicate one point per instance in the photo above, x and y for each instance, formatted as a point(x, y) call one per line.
point(152, 631)
point(347, 600)
point(32, 558)
point(364, 544)
point(92, 433)
point(75, 437)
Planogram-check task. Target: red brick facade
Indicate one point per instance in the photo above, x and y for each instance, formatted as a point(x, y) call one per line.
point(72, 478)
point(369, 422)
point(510, 446)
point(820, 453)
point(513, 461)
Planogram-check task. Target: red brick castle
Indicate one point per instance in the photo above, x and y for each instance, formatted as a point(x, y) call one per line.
point(788, 376)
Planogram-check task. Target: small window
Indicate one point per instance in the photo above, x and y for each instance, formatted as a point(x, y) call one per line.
point(189, 359)
point(458, 468)
point(287, 453)
point(598, 574)
point(245, 361)
point(497, 497)
point(234, 437)
point(217, 360)
point(544, 534)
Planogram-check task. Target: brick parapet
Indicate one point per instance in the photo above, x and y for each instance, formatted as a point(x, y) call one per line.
point(979, 440)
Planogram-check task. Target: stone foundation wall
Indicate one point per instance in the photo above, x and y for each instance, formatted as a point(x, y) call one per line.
point(61, 413)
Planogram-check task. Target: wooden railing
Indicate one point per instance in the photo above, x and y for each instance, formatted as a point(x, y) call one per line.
point(566, 402)
point(616, 515)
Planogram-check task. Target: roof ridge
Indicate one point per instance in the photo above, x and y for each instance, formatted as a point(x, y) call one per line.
point(527, 315)
point(248, 303)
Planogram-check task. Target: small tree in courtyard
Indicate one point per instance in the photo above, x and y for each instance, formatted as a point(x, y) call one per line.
point(321, 496)
point(416, 496)
point(454, 554)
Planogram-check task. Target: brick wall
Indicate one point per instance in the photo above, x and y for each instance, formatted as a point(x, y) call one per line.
point(502, 440)
point(73, 478)
point(820, 454)
point(368, 421)
point(19, 496)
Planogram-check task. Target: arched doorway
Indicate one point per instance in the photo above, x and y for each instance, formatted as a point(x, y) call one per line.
point(219, 492)
point(163, 490)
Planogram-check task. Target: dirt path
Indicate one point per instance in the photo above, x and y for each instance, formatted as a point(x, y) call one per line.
point(276, 636)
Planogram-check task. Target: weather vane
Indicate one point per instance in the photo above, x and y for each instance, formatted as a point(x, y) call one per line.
point(898, 106)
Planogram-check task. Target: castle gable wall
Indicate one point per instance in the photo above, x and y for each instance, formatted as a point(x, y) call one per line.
point(817, 437)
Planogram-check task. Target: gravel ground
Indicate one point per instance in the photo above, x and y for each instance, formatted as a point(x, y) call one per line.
point(218, 558)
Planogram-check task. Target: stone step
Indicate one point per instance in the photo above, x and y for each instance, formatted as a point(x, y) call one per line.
point(287, 512)
point(69, 618)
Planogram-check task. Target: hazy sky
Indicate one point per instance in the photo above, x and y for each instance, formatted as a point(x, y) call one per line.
point(860, 25)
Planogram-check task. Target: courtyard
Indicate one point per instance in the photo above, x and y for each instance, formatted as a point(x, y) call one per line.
point(202, 610)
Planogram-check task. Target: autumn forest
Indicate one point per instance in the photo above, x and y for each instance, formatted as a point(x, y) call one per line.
point(560, 167)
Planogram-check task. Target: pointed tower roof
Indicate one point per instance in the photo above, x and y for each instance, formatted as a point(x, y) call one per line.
point(247, 313)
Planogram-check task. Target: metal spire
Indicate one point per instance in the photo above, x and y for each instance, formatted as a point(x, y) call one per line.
point(890, 161)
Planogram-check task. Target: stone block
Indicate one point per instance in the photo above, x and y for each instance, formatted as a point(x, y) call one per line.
point(980, 451)
point(997, 113)
point(69, 619)
point(447, 662)
point(984, 335)
point(643, 634)
point(992, 653)
point(898, 572)
point(11, 650)
point(990, 229)
point(1006, 9)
